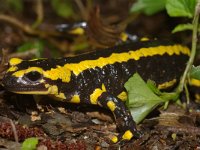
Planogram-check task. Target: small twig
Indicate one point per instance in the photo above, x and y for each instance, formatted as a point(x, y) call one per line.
point(187, 94)
point(193, 49)
point(4, 62)
point(82, 9)
point(4, 59)
point(14, 131)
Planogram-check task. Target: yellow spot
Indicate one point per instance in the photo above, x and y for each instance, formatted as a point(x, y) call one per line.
point(123, 36)
point(77, 68)
point(174, 136)
point(22, 72)
point(114, 139)
point(144, 39)
point(15, 61)
point(167, 84)
point(127, 135)
point(12, 68)
point(123, 96)
point(194, 82)
point(61, 96)
point(111, 105)
point(197, 98)
point(52, 89)
point(97, 92)
point(78, 31)
point(75, 99)
point(58, 73)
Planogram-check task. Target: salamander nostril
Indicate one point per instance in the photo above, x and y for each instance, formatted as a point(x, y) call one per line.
point(33, 76)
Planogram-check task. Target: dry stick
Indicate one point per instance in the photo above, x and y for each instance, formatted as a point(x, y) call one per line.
point(29, 30)
point(40, 13)
point(82, 8)
point(26, 28)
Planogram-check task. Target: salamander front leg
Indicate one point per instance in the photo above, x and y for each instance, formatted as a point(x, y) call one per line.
point(124, 120)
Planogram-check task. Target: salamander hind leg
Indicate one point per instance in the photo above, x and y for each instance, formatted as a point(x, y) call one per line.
point(124, 120)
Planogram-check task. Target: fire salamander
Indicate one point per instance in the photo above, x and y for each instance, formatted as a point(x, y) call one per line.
point(98, 77)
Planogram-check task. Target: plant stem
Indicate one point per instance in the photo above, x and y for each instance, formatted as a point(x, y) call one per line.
point(193, 49)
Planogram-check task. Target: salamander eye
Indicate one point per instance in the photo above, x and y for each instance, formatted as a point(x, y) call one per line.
point(33, 76)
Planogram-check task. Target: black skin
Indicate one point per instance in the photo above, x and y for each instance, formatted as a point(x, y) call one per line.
point(123, 116)
point(157, 68)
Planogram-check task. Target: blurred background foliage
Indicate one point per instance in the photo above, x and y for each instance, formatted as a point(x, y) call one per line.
point(29, 28)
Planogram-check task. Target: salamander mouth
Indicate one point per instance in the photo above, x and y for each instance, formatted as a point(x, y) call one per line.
point(27, 90)
point(11, 84)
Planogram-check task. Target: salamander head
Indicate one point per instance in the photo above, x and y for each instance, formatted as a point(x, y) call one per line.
point(38, 76)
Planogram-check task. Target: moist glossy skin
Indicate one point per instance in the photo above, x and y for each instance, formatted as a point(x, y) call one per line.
point(98, 77)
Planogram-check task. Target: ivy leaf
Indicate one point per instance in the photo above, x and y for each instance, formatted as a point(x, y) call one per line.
point(181, 8)
point(142, 99)
point(62, 7)
point(195, 72)
point(149, 7)
point(30, 144)
point(38, 45)
point(182, 27)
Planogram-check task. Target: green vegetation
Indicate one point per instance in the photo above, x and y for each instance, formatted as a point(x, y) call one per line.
point(141, 98)
point(30, 144)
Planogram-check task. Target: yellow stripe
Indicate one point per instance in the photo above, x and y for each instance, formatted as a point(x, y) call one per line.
point(77, 68)
point(12, 68)
point(64, 72)
point(21, 73)
point(194, 82)
point(97, 92)
point(54, 74)
point(167, 84)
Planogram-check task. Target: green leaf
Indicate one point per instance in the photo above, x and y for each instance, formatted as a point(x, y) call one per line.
point(16, 5)
point(38, 45)
point(182, 27)
point(141, 99)
point(30, 144)
point(62, 7)
point(181, 8)
point(149, 7)
point(195, 72)
point(152, 85)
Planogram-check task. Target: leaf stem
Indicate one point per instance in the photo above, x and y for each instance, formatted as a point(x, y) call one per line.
point(193, 49)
